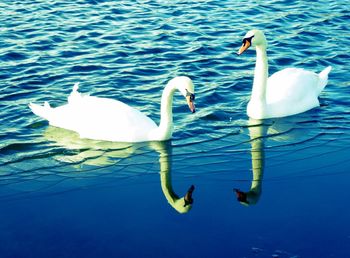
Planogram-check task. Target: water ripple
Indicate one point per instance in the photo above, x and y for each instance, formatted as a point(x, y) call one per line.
point(129, 50)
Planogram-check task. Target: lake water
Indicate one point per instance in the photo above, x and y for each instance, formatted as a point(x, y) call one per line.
point(62, 196)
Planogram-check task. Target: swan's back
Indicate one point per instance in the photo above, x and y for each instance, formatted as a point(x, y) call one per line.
point(108, 119)
point(294, 90)
point(291, 85)
point(98, 118)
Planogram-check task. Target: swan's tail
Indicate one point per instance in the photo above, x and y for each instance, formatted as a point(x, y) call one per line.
point(74, 95)
point(323, 78)
point(42, 111)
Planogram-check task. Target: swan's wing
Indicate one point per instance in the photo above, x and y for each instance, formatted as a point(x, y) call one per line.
point(103, 119)
point(292, 85)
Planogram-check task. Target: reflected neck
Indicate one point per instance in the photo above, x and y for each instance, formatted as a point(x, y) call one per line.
point(257, 154)
point(165, 178)
point(178, 203)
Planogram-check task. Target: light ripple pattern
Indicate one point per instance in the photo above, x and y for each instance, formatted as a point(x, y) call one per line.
point(128, 50)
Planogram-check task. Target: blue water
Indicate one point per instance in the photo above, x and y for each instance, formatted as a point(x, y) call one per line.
point(62, 196)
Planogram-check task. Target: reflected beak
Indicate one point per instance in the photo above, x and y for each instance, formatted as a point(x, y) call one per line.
point(246, 44)
point(188, 197)
point(190, 102)
point(241, 196)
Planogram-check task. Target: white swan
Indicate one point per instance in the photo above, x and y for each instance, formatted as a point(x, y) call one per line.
point(111, 120)
point(287, 92)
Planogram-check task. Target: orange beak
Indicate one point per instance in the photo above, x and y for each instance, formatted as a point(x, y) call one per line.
point(246, 44)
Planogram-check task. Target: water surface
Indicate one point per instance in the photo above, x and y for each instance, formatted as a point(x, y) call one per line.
point(62, 196)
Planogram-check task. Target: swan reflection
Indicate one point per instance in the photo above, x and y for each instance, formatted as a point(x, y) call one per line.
point(284, 131)
point(257, 131)
point(102, 153)
point(180, 204)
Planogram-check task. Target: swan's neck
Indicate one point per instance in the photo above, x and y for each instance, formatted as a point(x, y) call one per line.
point(260, 75)
point(165, 128)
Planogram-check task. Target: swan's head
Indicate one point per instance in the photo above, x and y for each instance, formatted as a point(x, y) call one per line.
point(247, 198)
point(186, 87)
point(183, 205)
point(253, 38)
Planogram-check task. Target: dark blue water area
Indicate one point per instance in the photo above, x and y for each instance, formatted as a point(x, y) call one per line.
point(64, 196)
point(297, 217)
point(118, 211)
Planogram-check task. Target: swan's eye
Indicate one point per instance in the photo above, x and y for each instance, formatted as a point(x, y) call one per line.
point(245, 40)
point(191, 95)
